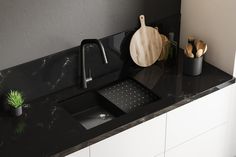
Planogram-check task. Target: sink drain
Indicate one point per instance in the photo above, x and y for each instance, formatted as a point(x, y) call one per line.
point(102, 116)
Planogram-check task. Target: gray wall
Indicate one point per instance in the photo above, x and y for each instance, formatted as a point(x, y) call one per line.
point(30, 29)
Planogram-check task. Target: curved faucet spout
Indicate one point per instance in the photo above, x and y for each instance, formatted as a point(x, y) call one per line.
point(100, 46)
point(82, 50)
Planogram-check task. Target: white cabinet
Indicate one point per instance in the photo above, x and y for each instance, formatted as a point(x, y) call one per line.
point(144, 140)
point(81, 153)
point(197, 117)
point(160, 155)
point(210, 144)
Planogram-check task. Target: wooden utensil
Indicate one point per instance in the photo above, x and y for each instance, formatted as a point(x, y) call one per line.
point(145, 45)
point(205, 48)
point(197, 44)
point(192, 41)
point(185, 52)
point(189, 49)
point(199, 53)
point(201, 45)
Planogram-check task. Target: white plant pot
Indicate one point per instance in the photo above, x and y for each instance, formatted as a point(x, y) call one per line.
point(17, 111)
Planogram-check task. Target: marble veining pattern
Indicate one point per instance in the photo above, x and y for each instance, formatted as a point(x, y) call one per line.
point(43, 65)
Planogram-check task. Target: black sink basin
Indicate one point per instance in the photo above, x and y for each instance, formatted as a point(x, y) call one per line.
point(91, 109)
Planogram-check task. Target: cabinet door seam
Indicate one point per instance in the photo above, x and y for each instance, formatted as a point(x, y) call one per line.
point(165, 135)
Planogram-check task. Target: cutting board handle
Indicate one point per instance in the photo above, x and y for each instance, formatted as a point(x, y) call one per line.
point(142, 20)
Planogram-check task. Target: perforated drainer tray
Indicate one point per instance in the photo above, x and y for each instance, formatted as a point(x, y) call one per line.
point(128, 95)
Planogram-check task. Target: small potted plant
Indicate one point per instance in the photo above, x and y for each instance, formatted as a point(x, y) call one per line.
point(15, 101)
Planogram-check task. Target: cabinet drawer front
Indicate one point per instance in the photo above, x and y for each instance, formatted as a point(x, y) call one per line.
point(198, 117)
point(81, 153)
point(146, 139)
point(210, 144)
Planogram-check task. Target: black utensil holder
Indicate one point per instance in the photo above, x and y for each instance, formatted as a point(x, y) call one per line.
point(192, 66)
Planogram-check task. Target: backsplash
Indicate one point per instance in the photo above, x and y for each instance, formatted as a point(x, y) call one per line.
point(61, 70)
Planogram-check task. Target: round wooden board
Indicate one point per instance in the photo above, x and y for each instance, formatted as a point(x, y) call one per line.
point(164, 52)
point(145, 45)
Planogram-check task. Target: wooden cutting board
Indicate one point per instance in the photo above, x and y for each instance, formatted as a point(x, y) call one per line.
point(145, 45)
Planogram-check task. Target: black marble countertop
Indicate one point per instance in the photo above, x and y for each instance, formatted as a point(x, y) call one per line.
point(45, 129)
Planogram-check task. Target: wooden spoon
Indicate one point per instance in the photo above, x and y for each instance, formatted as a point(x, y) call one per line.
point(198, 44)
point(199, 53)
point(205, 49)
point(201, 45)
point(189, 49)
point(185, 52)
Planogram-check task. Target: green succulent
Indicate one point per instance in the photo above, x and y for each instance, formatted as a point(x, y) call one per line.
point(15, 99)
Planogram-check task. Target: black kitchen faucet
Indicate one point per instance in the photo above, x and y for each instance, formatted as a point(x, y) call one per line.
point(86, 79)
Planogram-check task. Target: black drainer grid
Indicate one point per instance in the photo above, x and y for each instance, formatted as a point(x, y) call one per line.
point(128, 95)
